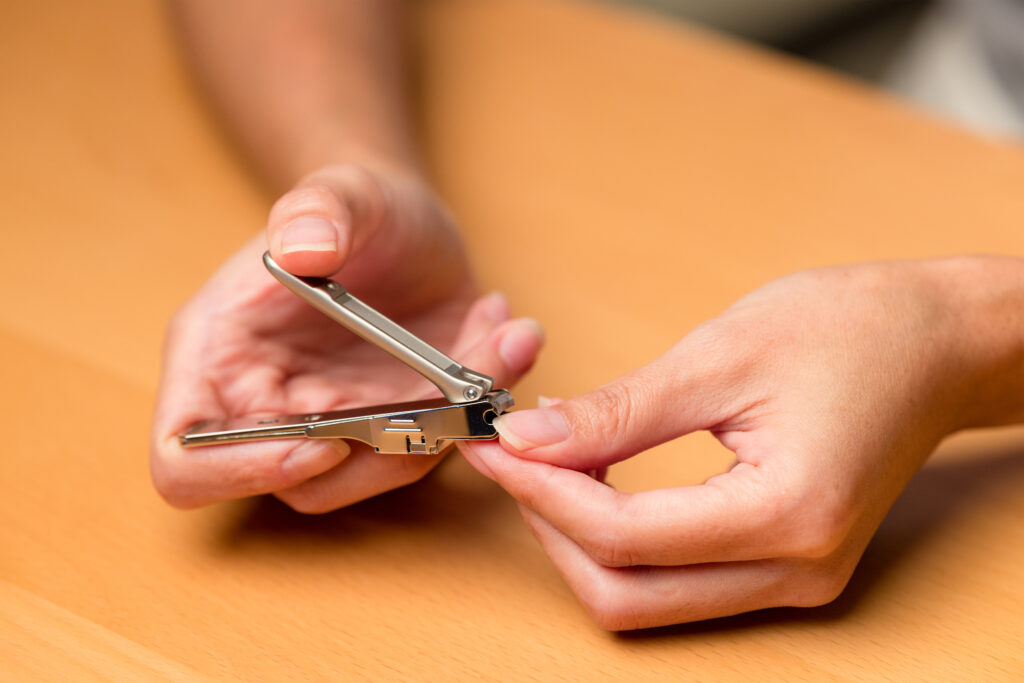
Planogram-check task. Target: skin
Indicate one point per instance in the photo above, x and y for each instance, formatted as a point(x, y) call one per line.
point(831, 386)
point(246, 346)
point(306, 84)
point(328, 122)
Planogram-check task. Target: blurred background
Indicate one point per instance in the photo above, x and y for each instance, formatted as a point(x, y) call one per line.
point(701, 171)
point(961, 59)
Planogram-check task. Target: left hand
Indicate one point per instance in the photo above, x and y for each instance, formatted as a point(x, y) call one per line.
point(831, 387)
point(246, 346)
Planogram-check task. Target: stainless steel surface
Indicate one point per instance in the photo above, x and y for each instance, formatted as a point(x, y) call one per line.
point(417, 427)
point(466, 412)
point(458, 383)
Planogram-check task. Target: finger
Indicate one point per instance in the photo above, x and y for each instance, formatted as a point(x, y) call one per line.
point(483, 316)
point(194, 477)
point(732, 517)
point(189, 478)
point(199, 476)
point(314, 228)
point(506, 353)
point(620, 599)
point(669, 397)
point(396, 242)
point(362, 475)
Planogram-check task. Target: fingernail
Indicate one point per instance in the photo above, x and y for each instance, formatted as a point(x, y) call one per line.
point(527, 429)
point(519, 346)
point(309, 234)
point(310, 458)
point(341, 447)
point(496, 307)
point(546, 401)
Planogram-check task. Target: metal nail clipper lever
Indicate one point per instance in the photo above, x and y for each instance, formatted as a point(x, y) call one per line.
point(466, 412)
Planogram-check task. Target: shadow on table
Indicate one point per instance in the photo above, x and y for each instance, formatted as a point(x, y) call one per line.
point(451, 501)
point(454, 506)
point(937, 494)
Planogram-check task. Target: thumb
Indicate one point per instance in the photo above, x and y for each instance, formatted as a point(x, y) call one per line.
point(314, 228)
point(658, 402)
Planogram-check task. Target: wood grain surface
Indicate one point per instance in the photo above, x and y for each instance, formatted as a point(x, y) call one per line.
point(621, 179)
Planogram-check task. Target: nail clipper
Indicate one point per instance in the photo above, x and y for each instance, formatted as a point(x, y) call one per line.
point(466, 412)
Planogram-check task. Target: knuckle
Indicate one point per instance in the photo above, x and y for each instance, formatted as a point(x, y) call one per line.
point(819, 586)
point(172, 486)
point(291, 467)
point(812, 520)
point(314, 198)
point(611, 607)
point(818, 528)
point(710, 340)
point(280, 477)
point(611, 552)
point(411, 469)
point(611, 409)
point(306, 500)
point(356, 177)
point(613, 546)
point(364, 190)
point(817, 538)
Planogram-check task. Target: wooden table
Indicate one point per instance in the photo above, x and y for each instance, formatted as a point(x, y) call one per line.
point(621, 179)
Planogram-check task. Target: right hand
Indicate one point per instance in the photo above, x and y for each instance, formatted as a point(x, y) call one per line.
point(831, 387)
point(245, 346)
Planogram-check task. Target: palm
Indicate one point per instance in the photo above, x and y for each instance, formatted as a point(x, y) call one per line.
point(268, 351)
point(244, 345)
point(275, 353)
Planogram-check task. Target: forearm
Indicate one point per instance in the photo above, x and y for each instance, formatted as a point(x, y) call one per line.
point(304, 83)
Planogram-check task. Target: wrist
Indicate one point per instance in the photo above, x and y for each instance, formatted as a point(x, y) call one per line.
point(334, 148)
point(985, 301)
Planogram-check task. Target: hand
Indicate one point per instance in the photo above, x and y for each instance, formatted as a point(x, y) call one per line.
point(831, 386)
point(244, 345)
